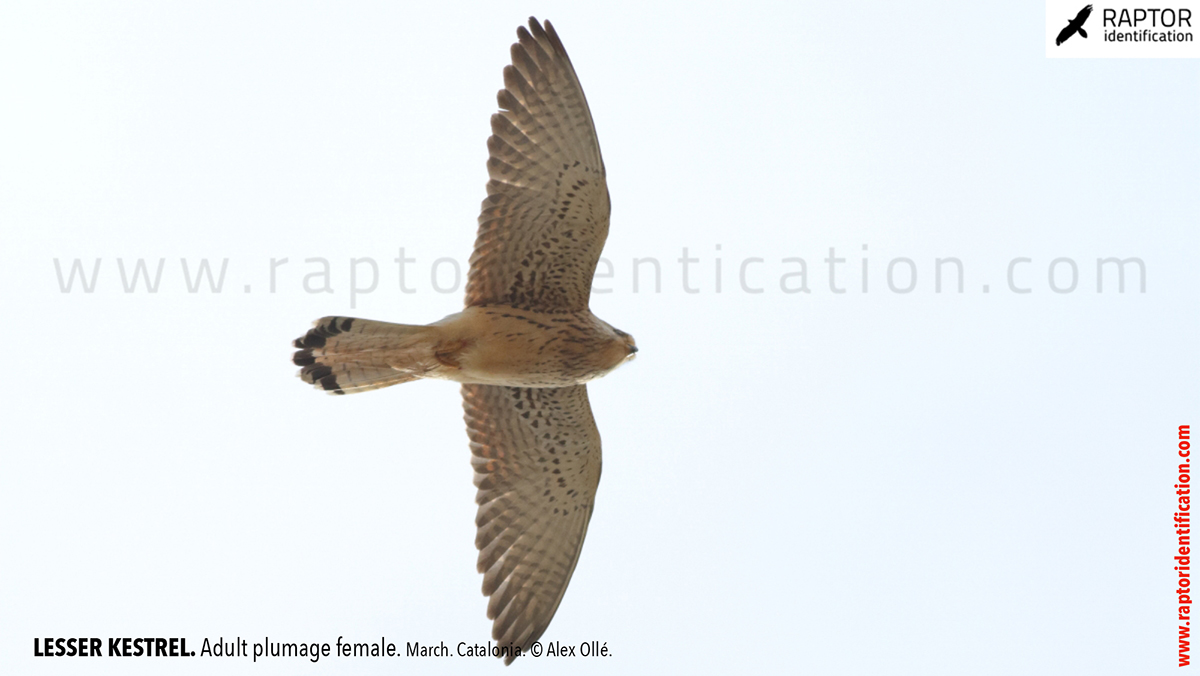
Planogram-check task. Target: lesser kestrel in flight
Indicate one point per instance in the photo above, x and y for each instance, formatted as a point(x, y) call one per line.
point(524, 345)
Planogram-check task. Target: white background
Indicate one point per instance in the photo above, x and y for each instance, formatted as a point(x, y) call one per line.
point(857, 483)
point(1061, 12)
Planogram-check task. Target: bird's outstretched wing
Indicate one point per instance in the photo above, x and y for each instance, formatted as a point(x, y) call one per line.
point(1082, 16)
point(545, 218)
point(536, 453)
point(1064, 34)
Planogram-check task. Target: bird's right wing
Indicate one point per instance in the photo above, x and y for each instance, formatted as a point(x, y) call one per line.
point(545, 218)
point(536, 453)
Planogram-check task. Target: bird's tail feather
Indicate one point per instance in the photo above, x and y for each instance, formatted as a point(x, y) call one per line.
point(343, 355)
point(1082, 33)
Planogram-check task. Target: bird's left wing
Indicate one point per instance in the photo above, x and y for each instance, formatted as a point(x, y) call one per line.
point(1064, 34)
point(536, 453)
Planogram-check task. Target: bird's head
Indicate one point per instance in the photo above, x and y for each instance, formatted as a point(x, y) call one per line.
point(626, 341)
point(621, 348)
point(630, 347)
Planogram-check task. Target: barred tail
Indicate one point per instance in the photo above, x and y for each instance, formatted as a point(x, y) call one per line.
point(343, 355)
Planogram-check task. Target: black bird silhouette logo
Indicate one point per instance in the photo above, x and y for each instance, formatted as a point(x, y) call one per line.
point(1075, 26)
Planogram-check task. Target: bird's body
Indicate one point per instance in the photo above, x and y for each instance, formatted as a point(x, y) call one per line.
point(487, 345)
point(1074, 26)
point(522, 348)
